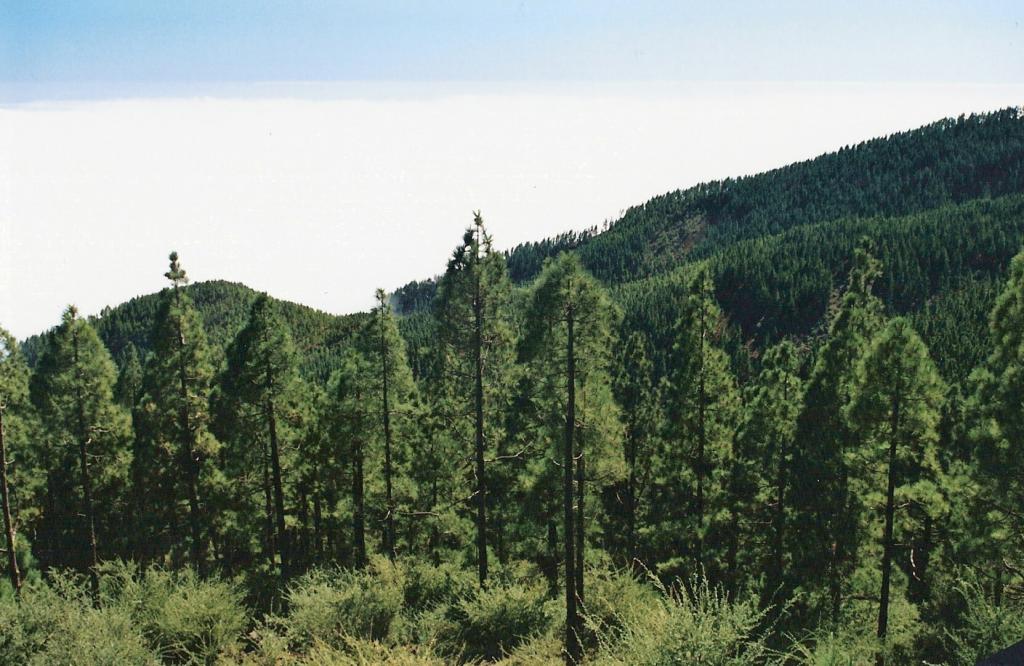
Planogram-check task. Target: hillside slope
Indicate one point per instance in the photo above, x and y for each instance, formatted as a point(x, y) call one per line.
point(949, 161)
point(224, 307)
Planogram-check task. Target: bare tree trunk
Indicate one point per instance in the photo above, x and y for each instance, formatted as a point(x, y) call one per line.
point(12, 559)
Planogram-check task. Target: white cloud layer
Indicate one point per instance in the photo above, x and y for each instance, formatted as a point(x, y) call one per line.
point(320, 199)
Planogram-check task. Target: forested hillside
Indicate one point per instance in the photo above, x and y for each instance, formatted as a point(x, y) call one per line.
point(223, 307)
point(772, 420)
point(950, 161)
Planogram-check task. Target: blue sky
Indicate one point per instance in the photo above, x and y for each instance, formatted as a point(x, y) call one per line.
point(55, 44)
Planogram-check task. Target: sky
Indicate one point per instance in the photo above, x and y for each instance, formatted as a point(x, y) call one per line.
point(317, 150)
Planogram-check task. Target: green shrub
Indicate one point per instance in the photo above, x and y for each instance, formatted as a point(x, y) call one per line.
point(185, 619)
point(98, 637)
point(543, 650)
point(615, 600)
point(427, 585)
point(58, 624)
point(843, 648)
point(359, 652)
point(332, 605)
point(697, 624)
point(985, 627)
point(488, 623)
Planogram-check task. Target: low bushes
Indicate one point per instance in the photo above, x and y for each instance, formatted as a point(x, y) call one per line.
point(58, 624)
point(694, 623)
point(486, 624)
point(415, 614)
point(332, 605)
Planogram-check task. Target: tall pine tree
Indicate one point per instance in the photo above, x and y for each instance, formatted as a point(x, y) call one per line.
point(87, 452)
point(260, 390)
point(825, 511)
point(639, 398)
point(894, 410)
point(766, 439)
point(995, 417)
point(692, 472)
point(568, 339)
point(13, 439)
point(394, 397)
point(177, 452)
point(477, 350)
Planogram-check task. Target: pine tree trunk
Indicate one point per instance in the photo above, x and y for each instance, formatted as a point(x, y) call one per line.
point(268, 507)
point(275, 469)
point(191, 467)
point(580, 524)
point(90, 519)
point(300, 553)
point(573, 648)
point(887, 545)
point(478, 400)
point(318, 525)
point(12, 559)
point(89, 512)
point(389, 537)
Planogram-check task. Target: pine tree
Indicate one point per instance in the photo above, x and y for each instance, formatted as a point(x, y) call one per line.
point(825, 511)
point(87, 436)
point(995, 417)
point(895, 408)
point(693, 470)
point(394, 396)
point(261, 387)
point(766, 440)
point(352, 429)
point(639, 398)
point(179, 450)
point(13, 404)
point(568, 337)
point(476, 346)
